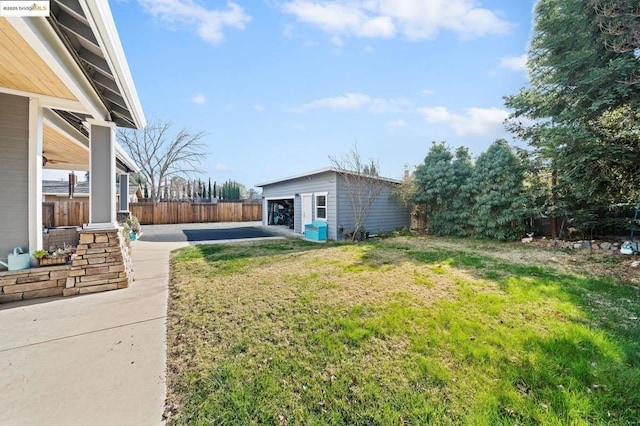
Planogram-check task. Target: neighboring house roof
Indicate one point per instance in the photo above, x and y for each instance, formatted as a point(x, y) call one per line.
point(72, 61)
point(61, 188)
point(323, 170)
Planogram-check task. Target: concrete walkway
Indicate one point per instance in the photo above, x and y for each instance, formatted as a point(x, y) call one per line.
point(97, 359)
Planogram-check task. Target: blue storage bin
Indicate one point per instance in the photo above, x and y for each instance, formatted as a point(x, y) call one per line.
point(316, 231)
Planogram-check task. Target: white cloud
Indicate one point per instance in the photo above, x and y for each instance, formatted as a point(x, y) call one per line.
point(414, 19)
point(346, 102)
point(382, 106)
point(199, 99)
point(341, 18)
point(397, 123)
point(476, 121)
point(258, 107)
point(514, 63)
point(368, 49)
point(337, 41)
point(354, 101)
point(435, 114)
point(223, 168)
point(208, 23)
point(427, 92)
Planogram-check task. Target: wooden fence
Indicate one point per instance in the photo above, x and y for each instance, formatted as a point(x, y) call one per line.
point(177, 212)
point(65, 213)
point(76, 213)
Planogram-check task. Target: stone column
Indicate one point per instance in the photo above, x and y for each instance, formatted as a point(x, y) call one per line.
point(102, 263)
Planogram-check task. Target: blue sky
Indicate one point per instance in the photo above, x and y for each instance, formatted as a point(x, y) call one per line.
point(279, 85)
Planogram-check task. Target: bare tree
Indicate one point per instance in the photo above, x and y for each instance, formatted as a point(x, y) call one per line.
point(362, 183)
point(163, 154)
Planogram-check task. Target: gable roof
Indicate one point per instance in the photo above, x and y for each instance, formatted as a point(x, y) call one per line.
point(324, 170)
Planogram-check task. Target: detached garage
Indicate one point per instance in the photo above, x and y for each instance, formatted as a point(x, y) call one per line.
point(323, 196)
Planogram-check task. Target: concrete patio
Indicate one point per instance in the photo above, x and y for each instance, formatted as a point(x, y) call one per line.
point(97, 358)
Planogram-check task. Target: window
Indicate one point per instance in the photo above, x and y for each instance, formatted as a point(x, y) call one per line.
point(321, 206)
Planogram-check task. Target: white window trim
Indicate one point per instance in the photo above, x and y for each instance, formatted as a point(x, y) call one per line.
point(326, 206)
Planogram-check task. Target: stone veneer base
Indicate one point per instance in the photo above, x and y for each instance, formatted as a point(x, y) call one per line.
point(102, 262)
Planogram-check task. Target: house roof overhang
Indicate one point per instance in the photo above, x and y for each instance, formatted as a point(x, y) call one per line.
point(72, 62)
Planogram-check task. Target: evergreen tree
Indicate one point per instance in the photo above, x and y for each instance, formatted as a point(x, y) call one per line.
point(230, 191)
point(209, 192)
point(497, 179)
point(434, 188)
point(579, 112)
point(619, 20)
point(461, 198)
point(443, 190)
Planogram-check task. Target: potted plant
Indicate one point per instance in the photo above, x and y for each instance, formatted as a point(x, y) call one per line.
point(58, 257)
point(132, 227)
point(38, 255)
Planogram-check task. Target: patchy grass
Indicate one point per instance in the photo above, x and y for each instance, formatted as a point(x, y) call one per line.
point(401, 331)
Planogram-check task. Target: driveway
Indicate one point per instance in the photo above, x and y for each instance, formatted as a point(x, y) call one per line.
point(214, 232)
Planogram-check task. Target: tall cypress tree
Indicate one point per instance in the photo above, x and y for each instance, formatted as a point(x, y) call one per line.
point(462, 197)
point(434, 180)
point(497, 180)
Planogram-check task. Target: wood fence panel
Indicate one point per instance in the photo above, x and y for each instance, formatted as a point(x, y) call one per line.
point(251, 212)
point(48, 215)
point(76, 213)
point(65, 213)
point(58, 211)
point(180, 212)
point(157, 214)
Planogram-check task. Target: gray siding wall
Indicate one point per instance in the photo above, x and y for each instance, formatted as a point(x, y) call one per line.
point(14, 173)
point(322, 182)
point(385, 214)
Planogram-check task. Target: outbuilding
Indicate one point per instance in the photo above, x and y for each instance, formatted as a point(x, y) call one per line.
point(325, 196)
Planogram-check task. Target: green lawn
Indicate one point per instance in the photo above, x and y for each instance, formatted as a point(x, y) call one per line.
point(401, 331)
